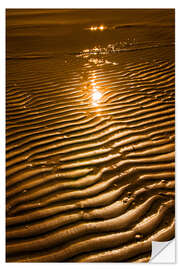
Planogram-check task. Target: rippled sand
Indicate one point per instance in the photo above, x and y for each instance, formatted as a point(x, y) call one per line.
point(90, 134)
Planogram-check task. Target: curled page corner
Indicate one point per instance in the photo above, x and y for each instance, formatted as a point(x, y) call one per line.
point(163, 252)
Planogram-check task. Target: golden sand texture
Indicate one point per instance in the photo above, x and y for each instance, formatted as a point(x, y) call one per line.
point(90, 142)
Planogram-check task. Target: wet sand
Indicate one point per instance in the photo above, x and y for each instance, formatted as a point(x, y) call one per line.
point(90, 134)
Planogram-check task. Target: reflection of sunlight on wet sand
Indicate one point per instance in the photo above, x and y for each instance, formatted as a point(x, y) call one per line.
point(96, 95)
point(92, 88)
point(94, 28)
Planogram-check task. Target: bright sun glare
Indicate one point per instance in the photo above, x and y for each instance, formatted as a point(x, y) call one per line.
point(94, 28)
point(96, 96)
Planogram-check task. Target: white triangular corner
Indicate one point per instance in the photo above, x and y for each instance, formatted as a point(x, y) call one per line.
point(163, 252)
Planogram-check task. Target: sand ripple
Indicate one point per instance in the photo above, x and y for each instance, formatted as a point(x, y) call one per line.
point(90, 159)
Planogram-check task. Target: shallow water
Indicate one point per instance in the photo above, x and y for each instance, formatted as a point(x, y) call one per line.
point(90, 134)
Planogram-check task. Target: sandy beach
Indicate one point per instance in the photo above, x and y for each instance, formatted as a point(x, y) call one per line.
point(90, 134)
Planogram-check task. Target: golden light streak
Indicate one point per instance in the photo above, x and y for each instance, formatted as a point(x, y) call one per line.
point(94, 28)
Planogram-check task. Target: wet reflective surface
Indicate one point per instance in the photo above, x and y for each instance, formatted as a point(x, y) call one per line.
point(90, 134)
point(95, 28)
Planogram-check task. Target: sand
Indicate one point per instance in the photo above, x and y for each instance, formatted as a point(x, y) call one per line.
point(90, 134)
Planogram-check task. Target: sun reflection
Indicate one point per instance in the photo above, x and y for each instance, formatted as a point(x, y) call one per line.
point(94, 28)
point(96, 96)
point(101, 27)
point(93, 89)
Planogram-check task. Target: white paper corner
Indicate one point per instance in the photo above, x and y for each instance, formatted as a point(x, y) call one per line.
point(163, 252)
